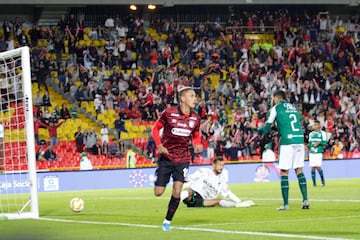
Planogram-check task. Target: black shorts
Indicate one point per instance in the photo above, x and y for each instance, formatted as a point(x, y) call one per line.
point(167, 168)
point(195, 201)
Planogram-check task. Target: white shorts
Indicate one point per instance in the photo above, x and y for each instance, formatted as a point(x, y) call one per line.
point(315, 159)
point(291, 156)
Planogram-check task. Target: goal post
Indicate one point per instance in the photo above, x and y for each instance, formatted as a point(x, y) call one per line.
point(18, 178)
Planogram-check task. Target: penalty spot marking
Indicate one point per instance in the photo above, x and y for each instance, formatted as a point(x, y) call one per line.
point(196, 229)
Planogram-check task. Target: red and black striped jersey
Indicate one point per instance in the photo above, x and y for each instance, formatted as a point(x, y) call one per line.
point(177, 133)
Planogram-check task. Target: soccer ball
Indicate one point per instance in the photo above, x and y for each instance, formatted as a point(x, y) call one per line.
point(77, 204)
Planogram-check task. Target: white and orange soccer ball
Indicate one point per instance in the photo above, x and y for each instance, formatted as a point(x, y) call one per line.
point(77, 204)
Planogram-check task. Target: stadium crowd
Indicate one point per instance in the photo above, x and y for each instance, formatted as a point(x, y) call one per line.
point(315, 59)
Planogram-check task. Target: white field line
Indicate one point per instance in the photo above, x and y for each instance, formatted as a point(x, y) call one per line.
point(311, 200)
point(278, 221)
point(266, 234)
point(260, 199)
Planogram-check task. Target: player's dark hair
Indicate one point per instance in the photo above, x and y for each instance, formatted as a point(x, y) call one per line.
point(317, 121)
point(218, 159)
point(281, 94)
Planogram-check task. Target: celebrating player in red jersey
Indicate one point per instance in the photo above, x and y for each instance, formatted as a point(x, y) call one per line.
point(180, 126)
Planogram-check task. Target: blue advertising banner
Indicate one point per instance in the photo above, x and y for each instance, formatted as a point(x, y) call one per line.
point(14, 183)
point(144, 177)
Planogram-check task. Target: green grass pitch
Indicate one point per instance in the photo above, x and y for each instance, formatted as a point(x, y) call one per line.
point(136, 214)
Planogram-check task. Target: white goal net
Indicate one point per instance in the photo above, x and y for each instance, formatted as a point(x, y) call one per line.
point(18, 183)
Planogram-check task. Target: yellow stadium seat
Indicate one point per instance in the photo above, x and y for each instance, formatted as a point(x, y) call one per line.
point(134, 129)
point(84, 125)
point(128, 124)
point(53, 56)
point(108, 73)
point(78, 121)
point(42, 43)
point(218, 42)
point(54, 74)
point(65, 57)
point(142, 128)
point(101, 116)
point(111, 124)
point(96, 43)
point(124, 135)
point(81, 42)
point(87, 30)
point(131, 135)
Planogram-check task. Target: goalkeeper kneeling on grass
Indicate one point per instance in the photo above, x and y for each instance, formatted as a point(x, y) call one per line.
point(205, 186)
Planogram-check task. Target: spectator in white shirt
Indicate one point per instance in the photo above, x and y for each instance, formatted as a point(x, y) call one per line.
point(104, 134)
point(99, 106)
point(109, 22)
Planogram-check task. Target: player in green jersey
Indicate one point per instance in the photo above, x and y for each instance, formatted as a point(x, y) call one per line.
point(292, 150)
point(317, 142)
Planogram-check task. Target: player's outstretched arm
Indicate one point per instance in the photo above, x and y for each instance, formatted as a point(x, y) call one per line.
point(233, 197)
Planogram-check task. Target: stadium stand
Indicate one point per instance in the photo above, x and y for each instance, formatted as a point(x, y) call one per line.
point(233, 62)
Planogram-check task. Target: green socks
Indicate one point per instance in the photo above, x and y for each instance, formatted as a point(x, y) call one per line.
point(285, 189)
point(302, 185)
point(313, 176)
point(321, 173)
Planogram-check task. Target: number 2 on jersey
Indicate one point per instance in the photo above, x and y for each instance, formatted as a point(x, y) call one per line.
point(292, 122)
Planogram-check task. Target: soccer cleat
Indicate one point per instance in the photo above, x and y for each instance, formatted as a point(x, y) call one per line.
point(306, 204)
point(323, 184)
point(284, 207)
point(250, 202)
point(246, 203)
point(166, 227)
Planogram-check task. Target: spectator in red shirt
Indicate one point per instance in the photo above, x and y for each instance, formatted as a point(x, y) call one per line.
point(336, 100)
point(52, 128)
point(356, 71)
point(153, 56)
point(37, 124)
point(205, 145)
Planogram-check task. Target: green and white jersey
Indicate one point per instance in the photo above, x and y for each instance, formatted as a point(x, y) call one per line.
point(223, 117)
point(287, 120)
point(317, 137)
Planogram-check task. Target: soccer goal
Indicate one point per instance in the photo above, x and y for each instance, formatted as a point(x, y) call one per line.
point(18, 182)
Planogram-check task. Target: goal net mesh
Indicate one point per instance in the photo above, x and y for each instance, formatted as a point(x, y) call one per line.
point(18, 198)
